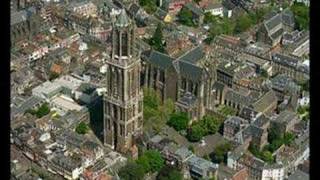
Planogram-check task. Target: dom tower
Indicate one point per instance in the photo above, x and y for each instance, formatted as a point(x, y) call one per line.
point(123, 97)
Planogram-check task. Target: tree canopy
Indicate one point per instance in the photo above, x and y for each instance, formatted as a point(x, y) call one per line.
point(41, 111)
point(157, 39)
point(185, 17)
point(150, 6)
point(169, 173)
point(220, 152)
point(132, 171)
point(207, 125)
point(301, 15)
point(82, 128)
point(179, 121)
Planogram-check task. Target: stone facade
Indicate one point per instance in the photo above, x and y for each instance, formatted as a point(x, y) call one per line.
point(123, 98)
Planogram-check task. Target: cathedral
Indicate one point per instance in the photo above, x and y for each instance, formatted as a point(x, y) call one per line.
point(123, 100)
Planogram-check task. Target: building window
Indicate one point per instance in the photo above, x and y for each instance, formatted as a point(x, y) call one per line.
point(162, 76)
point(124, 44)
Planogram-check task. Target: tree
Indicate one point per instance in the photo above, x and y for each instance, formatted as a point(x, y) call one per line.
point(301, 14)
point(211, 124)
point(43, 110)
point(267, 157)
point(53, 75)
point(156, 162)
point(169, 173)
point(132, 171)
point(143, 161)
point(191, 148)
point(82, 128)
point(185, 17)
point(288, 138)
point(157, 38)
point(220, 151)
point(243, 23)
point(179, 121)
point(274, 133)
point(151, 98)
point(150, 6)
point(196, 132)
point(264, 73)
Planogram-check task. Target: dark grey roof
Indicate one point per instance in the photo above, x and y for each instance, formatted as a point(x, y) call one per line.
point(237, 97)
point(261, 121)
point(264, 102)
point(277, 34)
point(235, 121)
point(247, 112)
point(273, 22)
point(282, 82)
point(188, 99)
point(193, 55)
point(287, 17)
point(270, 15)
point(285, 60)
point(161, 60)
point(252, 131)
point(228, 4)
point(218, 86)
point(194, 8)
point(286, 116)
point(190, 71)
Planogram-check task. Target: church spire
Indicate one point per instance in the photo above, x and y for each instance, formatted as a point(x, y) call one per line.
point(122, 19)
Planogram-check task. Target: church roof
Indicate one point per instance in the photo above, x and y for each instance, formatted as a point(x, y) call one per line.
point(122, 19)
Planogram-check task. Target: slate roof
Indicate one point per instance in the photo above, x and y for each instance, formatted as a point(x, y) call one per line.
point(260, 121)
point(264, 102)
point(184, 153)
point(159, 59)
point(188, 99)
point(273, 22)
point(252, 131)
point(193, 55)
point(287, 17)
point(190, 71)
point(277, 34)
point(285, 60)
point(237, 97)
point(228, 4)
point(247, 112)
point(270, 15)
point(199, 164)
point(218, 86)
point(283, 82)
point(286, 116)
point(235, 121)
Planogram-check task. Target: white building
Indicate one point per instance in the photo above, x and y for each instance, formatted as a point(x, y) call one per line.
point(214, 9)
point(276, 173)
point(62, 104)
